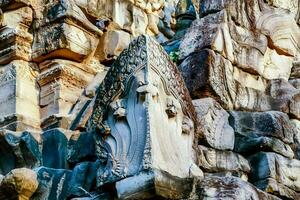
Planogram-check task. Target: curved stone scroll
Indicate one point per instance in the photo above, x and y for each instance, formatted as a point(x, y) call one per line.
point(144, 120)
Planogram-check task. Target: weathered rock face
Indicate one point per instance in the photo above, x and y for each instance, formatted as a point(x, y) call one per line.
point(19, 184)
point(270, 124)
point(19, 107)
point(296, 144)
point(218, 187)
point(240, 49)
point(270, 170)
point(18, 150)
point(57, 34)
point(213, 124)
point(160, 99)
point(221, 161)
point(15, 37)
point(61, 84)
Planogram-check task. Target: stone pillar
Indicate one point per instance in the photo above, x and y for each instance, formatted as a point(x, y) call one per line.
point(61, 82)
point(19, 103)
point(64, 45)
point(19, 106)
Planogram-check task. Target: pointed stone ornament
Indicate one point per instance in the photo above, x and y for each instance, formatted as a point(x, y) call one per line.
point(144, 122)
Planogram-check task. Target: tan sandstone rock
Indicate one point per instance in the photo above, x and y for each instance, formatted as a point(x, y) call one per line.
point(61, 83)
point(74, 38)
point(15, 39)
point(17, 81)
point(19, 184)
point(214, 127)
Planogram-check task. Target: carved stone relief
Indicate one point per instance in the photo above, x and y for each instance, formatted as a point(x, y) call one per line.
point(150, 122)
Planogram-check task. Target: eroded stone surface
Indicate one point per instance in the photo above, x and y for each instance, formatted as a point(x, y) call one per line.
point(213, 124)
point(253, 143)
point(15, 37)
point(272, 124)
point(17, 81)
point(53, 183)
point(272, 186)
point(61, 84)
point(296, 144)
point(57, 34)
point(18, 150)
point(19, 184)
point(221, 161)
point(215, 187)
point(271, 165)
point(54, 151)
point(249, 51)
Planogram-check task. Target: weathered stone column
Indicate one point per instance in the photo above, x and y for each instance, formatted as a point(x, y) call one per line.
point(19, 107)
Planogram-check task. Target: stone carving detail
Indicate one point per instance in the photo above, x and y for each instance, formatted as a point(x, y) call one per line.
point(57, 33)
point(61, 84)
point(133, 57)
point(217, 161)
point(244, 47)
point(213, 124)
point(148, 106)
point(172, 107)
point(119, 108)
point(15, 37)
point(16, 78)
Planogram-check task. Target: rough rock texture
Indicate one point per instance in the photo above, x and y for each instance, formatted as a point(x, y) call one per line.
point(160, 99)
point(213, 124)
point(54, 150)
point(18, 150)
point(219, 161)
point(270, 124)
point(240, 47)
point(271, 165)
point(20, 183)
point(53, 183)
point(296, 145)
point(218, 187)
point(253, 143)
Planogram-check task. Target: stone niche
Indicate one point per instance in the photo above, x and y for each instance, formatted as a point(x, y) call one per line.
point(19, 107)
point(145, 125)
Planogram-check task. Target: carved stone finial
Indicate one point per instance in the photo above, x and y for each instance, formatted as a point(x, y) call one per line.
point(150, 116)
